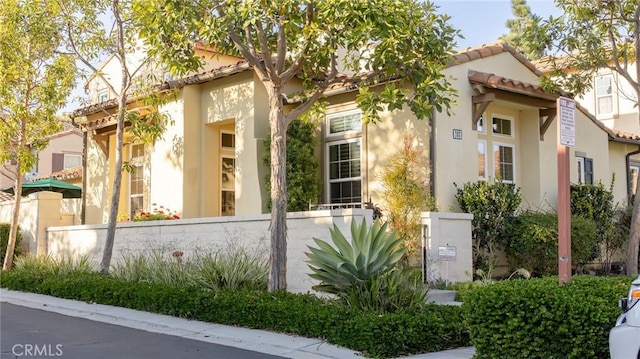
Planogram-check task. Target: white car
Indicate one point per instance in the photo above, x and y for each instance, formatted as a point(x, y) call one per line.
point(624, 338)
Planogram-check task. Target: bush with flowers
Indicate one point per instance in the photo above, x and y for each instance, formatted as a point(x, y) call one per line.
point(157, 214)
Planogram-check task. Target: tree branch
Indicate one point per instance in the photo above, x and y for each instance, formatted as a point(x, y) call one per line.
point(266, 53)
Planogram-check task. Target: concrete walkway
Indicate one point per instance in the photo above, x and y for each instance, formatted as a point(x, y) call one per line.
point(251, 339)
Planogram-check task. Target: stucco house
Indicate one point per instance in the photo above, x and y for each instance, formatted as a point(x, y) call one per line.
point(209, 161)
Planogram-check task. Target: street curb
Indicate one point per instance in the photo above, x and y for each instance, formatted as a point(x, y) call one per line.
point(262, 341)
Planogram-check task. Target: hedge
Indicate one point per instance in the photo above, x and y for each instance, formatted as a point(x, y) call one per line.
point(5, 228)
point(537, 318)
point(433, 328)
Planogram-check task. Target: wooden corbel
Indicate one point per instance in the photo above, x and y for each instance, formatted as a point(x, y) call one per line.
point(480, 104)
point(550, 114)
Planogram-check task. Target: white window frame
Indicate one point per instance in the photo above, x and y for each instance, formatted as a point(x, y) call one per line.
point(481, 125)
point(103, 95)
point(496, 146)
point(138, 167)
point(581, 173)
point(507, 118)
point(328, 179)
point(633, 183)
point(328, 118)
point(69, 155)
point(486, 160)
point(599, 96)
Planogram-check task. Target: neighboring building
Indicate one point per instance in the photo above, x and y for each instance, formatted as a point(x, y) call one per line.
point(63, 154)
point(209, 161)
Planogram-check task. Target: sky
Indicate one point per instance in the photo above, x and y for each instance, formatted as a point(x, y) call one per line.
point(483, 21)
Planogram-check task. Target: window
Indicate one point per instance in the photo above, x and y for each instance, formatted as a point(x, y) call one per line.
point(585, 170)
point(136, 180)
point(502, 126)
point(480, 124)
point(482, 160)
point(604, 94)
point(103, 95)
point(504, 162)
point(633, 178)
point(72, 160)
point(344, 163)
point(227, 174)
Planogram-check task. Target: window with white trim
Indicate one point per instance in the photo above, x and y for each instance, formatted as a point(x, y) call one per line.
point(482, 159)
point(71, 160)
point(103, 95)
point(504, 162)
point(480, 124)
point(344, 157)
point(604, 94)
point(227, 174)
point(136, 180)
point(585, 170)
point(634, 170)
point(502, 126)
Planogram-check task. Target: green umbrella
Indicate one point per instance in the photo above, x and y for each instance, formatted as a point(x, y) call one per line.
point(49, 184)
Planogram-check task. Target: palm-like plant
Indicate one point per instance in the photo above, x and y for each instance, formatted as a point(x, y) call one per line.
point(372, 252)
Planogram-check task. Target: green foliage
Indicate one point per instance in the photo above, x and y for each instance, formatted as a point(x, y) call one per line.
point(362, 273)
point(4, 239)
point(50, 265)
point(492, 204)
point(526, 32)
point(538, 318)
point(433, 328)
point(532, 242)
point(595, 203)
point(405, 192)
point(233, 267)
point(302, 166)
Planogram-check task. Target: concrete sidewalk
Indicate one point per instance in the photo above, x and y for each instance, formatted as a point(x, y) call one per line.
point(251, 339)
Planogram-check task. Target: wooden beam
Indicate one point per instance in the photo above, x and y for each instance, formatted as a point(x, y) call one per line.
point(480, 104)
point(550, 114)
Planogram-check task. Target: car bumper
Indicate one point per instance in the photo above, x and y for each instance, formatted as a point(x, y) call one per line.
point(624, 342)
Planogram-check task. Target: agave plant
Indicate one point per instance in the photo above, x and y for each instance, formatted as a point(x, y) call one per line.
point(372, 252)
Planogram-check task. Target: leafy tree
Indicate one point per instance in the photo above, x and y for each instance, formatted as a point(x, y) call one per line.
point(592, 35)
point(405, 192)
point(90, 43)
point(525, 31)
point(302, 166)
point(393, 51)
point(36, 80)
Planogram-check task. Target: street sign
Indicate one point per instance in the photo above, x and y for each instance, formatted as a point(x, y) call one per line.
point(447, 253)
point(567, 116)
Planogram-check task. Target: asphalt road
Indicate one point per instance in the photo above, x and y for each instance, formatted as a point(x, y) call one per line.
point(33, 333)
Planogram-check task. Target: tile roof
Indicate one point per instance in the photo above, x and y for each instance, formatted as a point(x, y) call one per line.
point(5, 196)
point(625, 135)
point(507, 84)
point(69, 173)
point(491, 49)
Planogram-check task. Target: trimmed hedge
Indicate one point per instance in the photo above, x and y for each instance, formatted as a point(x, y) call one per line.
point(537, 318)
point(433, 328)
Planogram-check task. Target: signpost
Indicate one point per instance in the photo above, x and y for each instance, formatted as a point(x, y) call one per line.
point(566, 108)
point(447, 254)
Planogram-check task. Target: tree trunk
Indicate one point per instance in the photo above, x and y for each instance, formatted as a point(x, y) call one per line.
point(115, 193)
point(278, 224)
point(13, 231)
point(633, 242)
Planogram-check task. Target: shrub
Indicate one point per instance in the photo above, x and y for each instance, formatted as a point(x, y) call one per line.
point(46, 264)
point(362, 273)
point(405, 192)
point(532, 242)
point(5, 228)
point(492, 204)
point(432, 328)
point(537, 318)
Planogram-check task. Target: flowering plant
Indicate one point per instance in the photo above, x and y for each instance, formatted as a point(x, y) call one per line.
point(157, 214)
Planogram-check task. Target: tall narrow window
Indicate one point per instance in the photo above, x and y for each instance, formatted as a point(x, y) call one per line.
point(633, 178)
point(504, 162)
point(482, 160)
point(344, 153)
point(136, 180)
point(585, 170)
point(227, 174)
point(604, 94)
